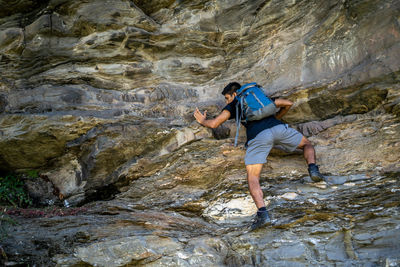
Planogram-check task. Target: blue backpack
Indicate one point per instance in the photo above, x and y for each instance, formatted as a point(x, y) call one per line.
point(254, 105)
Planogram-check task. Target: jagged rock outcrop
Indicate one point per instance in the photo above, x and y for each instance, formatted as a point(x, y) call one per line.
point(98, 96)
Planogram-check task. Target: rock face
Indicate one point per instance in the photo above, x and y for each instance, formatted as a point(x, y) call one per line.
point(98, 96)
point(71, 70)
point(191, 207)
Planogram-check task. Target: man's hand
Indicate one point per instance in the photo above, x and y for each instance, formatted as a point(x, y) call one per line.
point(284, 106)
point(200, 118)
point(211, 123)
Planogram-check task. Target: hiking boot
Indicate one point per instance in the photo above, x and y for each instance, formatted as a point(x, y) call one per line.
point(261, 219)
point(315, 175)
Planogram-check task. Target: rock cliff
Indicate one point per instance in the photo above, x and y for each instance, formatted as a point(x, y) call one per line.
point(98, 96)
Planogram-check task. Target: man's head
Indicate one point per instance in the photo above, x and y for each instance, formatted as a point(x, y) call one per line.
point(229, 91)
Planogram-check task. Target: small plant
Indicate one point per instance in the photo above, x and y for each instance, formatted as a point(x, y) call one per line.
point(32, 173)
point(12, 191)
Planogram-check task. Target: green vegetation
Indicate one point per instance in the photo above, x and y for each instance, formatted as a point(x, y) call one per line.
point(32, 173)
point(12, 191)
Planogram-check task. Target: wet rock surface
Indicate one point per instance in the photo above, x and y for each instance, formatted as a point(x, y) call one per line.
point(98, 98)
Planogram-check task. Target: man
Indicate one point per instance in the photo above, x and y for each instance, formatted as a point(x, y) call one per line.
point(262, 135)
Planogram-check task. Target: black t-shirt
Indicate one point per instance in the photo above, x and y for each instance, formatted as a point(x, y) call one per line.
point(253, 127)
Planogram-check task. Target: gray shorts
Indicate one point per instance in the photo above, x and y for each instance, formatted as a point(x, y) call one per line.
point(280, 136)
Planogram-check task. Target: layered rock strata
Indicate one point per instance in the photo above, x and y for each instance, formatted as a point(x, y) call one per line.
point(98, 96)
point(73, 69)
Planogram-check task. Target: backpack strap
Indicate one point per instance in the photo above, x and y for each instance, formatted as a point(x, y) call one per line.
point(237, 121)
point(238, 117)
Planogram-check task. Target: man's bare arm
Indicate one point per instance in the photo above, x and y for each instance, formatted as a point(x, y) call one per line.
point(284, 106)
point(213, 123)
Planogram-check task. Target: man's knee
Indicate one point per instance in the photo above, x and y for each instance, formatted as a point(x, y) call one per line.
point(253, 170)
point(304, 142)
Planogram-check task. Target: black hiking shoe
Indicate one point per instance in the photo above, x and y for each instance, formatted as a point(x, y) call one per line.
point(315, 175)
point(261, 219)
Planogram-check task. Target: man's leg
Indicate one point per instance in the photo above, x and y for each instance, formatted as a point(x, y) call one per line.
point(308, 150)
point(309, 155)
point(256, 155)
point(289, 139)
point(253, 179)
